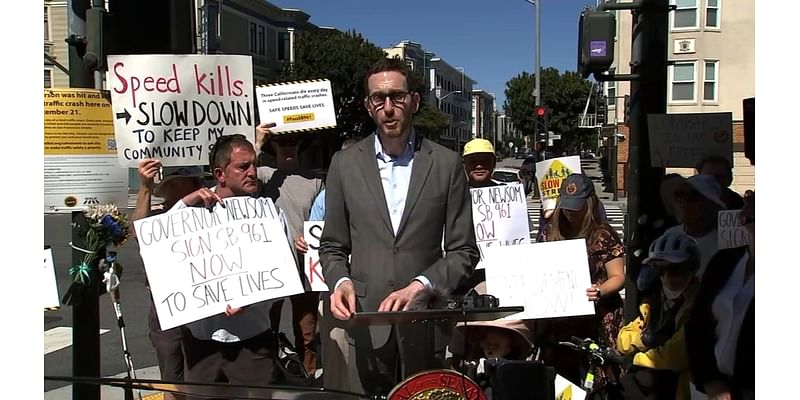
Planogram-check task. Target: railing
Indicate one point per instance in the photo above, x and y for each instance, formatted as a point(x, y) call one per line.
point(588, 121)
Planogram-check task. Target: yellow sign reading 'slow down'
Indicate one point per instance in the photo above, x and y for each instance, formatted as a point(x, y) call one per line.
point(288, 119)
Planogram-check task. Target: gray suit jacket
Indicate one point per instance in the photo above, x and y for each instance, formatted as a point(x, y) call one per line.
point(357, 223)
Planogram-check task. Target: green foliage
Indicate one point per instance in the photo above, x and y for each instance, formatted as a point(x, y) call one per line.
point(343, 58)
point(565, 96)
point(430, 122)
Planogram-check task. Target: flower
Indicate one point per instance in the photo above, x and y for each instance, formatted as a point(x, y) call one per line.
point(107, 226)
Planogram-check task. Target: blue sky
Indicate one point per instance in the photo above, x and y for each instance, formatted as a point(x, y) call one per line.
point(492, 39)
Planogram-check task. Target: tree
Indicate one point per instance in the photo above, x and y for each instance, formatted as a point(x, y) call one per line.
point(430, 122)
point(563, 94)
point(343, 58)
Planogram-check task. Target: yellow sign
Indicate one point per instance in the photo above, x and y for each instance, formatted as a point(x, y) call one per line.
point(288, 119)
point(78, 122)
point(566, 394)
point(553, 178)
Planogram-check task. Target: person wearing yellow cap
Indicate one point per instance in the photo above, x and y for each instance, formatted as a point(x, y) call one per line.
point(479, 162)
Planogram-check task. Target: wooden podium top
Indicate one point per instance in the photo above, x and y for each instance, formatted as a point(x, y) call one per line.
point(405, 317)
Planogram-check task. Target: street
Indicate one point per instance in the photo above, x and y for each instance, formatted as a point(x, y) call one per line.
point(135, 303)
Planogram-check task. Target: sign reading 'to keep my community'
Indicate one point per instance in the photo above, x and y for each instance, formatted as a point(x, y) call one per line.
point(173, 107)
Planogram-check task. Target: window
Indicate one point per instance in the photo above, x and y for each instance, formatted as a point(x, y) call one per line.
point(710, 81)
point(46, 23)
point(712, 14)
point(682, 81)
point(262, 40)
point(252, 38)
point(48, 78)
point(685, 15)
point(611, 93)
point(283, 46)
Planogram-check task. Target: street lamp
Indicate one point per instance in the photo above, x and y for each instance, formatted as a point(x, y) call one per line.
point(439, 99)
point(537, 69)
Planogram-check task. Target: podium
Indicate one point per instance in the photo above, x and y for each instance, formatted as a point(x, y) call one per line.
point(429, 317)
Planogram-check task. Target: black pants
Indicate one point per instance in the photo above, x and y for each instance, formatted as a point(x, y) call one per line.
point(649, 384)
point(169, 347)
point(248, 362)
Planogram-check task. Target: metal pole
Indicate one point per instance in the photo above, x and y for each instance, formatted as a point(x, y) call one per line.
point(648, 96)
point(86, 312)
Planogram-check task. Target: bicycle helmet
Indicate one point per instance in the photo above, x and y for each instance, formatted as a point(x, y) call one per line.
point(673, 247)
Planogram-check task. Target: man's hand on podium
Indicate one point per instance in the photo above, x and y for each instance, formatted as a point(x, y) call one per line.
point(343, 301)
point(399, 299)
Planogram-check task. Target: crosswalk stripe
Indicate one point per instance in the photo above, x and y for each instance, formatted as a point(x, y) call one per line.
point(59, 338)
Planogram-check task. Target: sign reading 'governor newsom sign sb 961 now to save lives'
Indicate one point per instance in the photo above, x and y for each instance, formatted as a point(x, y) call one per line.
point(173, 107)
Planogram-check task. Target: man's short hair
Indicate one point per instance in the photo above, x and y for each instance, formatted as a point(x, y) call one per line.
point(220, 154)
point(389, 64)
point(714, 159)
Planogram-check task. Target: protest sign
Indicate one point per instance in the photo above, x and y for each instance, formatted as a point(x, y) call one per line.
point(550, 173)
point(312, 231)
point(549, 279)
point(49, 286)
point(683, 140)
point(198, 262)
point(173, 107)
point(299, 106)
point(80, 154)
point(500, 216)
point(730, 233)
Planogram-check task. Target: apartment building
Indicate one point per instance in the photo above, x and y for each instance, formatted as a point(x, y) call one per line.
point(483, 115)
point(55, 48)
point(711, 50)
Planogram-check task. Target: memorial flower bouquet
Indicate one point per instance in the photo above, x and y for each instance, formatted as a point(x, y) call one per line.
point(105, 226)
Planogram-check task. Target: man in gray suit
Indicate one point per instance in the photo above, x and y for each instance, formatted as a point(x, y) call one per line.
point(390, 199)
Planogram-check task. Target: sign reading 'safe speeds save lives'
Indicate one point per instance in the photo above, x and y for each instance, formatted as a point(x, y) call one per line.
point(173, 107)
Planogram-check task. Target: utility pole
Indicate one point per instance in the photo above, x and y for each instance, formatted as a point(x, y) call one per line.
point(645, 213)
point(86, 312)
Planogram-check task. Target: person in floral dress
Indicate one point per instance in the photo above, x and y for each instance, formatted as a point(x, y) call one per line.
point(575, 217)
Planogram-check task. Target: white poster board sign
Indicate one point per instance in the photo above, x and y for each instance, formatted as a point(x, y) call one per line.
point(730, 233)
point(49, 286)
point(80, 153)
point(683, 140)
point(549, 175)
point(198, 262)
point(500, 216)
point(297, 106)
point(312, 231)
point(173, 107)
point(549, 279)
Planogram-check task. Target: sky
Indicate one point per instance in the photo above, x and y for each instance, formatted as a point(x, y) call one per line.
point(492, 39)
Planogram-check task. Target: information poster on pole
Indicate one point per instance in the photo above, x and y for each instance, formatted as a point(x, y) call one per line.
point(683, 140)
point(173, 107)
point(549, 278)
point(298, 106)
point(199, 262)
point(549, 175)
point(500, 216)
point(312, 231)
point(80, 153)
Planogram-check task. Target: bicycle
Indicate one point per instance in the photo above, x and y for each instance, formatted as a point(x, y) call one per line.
point(598, 356)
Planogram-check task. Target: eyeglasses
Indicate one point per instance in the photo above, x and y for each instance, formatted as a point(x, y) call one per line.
point(379, 99)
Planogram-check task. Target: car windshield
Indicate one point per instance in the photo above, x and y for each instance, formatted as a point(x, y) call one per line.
point(504, 176)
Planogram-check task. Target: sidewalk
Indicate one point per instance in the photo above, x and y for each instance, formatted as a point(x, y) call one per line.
point(109, 392)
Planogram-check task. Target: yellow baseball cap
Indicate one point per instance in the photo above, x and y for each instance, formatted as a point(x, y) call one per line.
point(478, 146)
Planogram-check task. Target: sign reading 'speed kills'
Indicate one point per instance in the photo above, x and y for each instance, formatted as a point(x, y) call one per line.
point(174, 107)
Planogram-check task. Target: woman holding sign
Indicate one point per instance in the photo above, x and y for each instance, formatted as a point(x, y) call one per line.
point(575, 217)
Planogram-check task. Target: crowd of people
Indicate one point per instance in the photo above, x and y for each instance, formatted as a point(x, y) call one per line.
point(398, 223)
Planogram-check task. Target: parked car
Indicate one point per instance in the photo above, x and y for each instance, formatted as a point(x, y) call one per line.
point(524, 152)
point(512, 175)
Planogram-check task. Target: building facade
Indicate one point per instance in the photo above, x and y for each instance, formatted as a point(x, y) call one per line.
point(452, 90)
point(483, 115)
point(55, 48)
point(711, 55)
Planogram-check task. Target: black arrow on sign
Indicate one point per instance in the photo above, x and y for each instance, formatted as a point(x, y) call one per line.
point(125, 115)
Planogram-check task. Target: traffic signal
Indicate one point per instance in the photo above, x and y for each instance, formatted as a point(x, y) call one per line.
point(596, 32)
point(749, 108)
point(626, 120)
point(542, 121)
point(602, 109)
